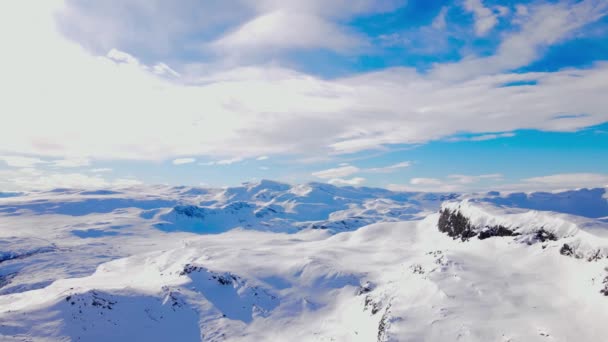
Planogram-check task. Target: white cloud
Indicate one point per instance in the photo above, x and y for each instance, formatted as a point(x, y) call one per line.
point(101, 170)
point(439, 22)
point(115, 107)
point(21, 161)
point(485, 18)
point(541, 25)
point(483, 137)
point(492, 136)
point(71, 162)
point(338, 172)
point(352, 181)
point(229, 161)
point(563, 181)
point(425, 181)
point(182, 161)
point(282, 29)
point(336, 175)
point(452, 183)
point(390, 168)
point(159, 28)
point(495, 181)
point(262, 158)
point(466, 179)
point(32, 179)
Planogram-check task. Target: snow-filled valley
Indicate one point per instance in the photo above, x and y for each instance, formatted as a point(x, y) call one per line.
point(268, 261)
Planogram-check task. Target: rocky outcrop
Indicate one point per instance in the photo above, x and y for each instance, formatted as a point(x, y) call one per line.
point(465, 220)
point(455, 225)
point(458, 226)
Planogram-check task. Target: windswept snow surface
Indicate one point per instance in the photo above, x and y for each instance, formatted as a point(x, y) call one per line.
point(272, 262)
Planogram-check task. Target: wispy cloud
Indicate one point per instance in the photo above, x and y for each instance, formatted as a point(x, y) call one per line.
point(101, 170)
point(390, 168)
point(540, 25)
point(352, 181)
point(337, 172)
point(182, 161)
point(562, 181)
point(485, 18)
point(451, 183)
point(33, 179)
point(229, 161)
point(71, 162)
point(21, 161)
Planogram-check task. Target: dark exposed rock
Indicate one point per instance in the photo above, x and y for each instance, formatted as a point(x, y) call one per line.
point(496, 231)
point(190, 211)
point(566, 250)
point(542, 235)
point(188, 268)
point(458, 226)
point(604, 291)
point(222, 279)
point(597, 255)
point(384, 324)
point(417, 269)
point(365, 288)
point(372, 305)
point(571, 251)
point(455, 225)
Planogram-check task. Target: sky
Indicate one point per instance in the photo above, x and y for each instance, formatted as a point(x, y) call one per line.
point(465, 95)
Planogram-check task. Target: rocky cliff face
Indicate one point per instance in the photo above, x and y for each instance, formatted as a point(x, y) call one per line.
point(465, 220)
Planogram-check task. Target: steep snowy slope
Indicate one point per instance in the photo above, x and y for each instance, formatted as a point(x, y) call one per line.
point(466, 270)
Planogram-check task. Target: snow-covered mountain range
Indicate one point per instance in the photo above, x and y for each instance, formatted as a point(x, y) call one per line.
point(268, 261)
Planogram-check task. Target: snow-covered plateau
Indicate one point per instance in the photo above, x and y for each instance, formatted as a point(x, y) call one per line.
point(268, 261)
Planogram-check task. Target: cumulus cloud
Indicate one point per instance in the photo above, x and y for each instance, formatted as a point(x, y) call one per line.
point(182, 161)
point(117, 107)
point(161, 29)
point(282, 29)
point(485, 18)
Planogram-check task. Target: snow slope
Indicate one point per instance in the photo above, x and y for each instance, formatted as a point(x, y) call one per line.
point(144, 271)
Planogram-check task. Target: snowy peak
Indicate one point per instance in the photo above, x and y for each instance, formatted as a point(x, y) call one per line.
point(466, 219)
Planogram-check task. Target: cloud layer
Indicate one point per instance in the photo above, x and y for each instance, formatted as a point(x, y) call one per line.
point(142, 80)
point(115, 107)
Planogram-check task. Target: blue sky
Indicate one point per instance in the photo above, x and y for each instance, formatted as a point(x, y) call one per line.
point(466, 95)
